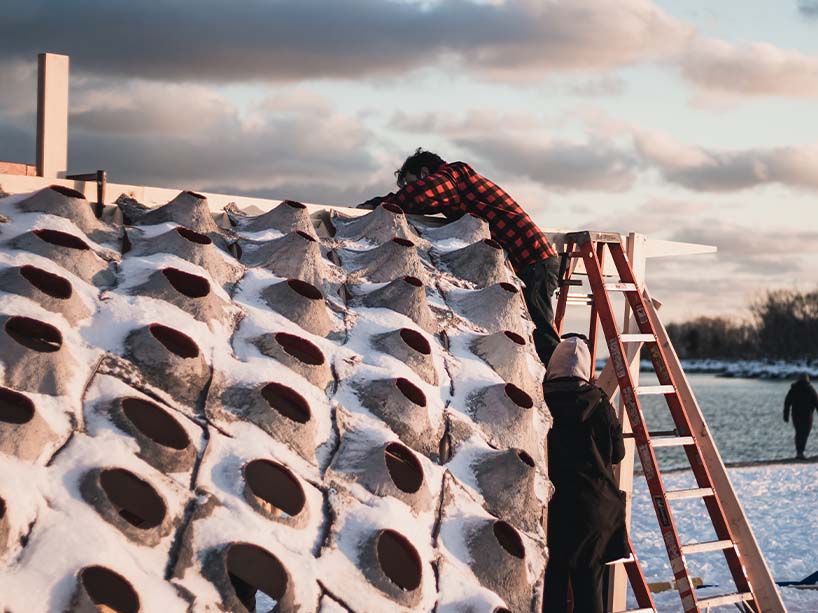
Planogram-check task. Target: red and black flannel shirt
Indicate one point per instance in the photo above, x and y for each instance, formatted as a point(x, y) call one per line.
point(455, 189)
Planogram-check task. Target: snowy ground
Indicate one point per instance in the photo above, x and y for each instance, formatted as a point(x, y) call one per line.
point(749, 369)
point(781, 502)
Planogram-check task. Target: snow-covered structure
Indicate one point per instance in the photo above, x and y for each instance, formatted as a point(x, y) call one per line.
point(196, 405)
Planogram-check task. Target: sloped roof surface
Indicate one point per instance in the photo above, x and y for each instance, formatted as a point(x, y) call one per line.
point(342, 423)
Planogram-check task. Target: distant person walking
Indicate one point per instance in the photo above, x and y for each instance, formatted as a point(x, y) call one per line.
point(586, 516)
point(803, 400)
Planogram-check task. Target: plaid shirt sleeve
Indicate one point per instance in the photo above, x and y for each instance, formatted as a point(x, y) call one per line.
point(435, 193)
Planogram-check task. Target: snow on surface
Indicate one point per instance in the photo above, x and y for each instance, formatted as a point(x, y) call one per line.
point(749, 369)
point(780, 502)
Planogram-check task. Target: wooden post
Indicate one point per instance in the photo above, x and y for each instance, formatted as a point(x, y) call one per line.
point(52, 114)
point(623, 473)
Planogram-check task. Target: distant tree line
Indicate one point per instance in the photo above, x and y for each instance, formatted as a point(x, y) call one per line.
point(783, 325)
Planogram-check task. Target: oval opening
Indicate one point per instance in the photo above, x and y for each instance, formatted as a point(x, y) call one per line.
point(155, 423)
point(174, 341)
point(15, 408)
point(305, 289)
point(527, 459)
point(392, 208)
point(294, 204)
point(34, 334)
point(193, 237)
point(276, 486)
point(501, 610)
point(404, 468)
point(413, 281)
point(287, 401)
point(492, 243)
point(67, 191)
point(399, 560)
point(48, 283)
point(514, 337)
point(252, 569)
point(62, 239)
point(411, 391)
point(2, 509)
point(416, 340)
point(508, 538)
point(134, 499)
point(107, 588)
point(194, 194)
point(192, 286)
point(305, 236)
point(518, 396)
point(508, 287)
point(403, 242)
point(300, 348)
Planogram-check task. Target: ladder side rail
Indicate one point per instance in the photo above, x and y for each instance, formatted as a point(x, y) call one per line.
point(644, 449)
point(683, 425)
point(767, 597)
point(594, 317)
point(638, 581)
point(566, 271)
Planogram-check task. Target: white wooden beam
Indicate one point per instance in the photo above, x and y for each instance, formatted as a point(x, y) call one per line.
point(52, 114)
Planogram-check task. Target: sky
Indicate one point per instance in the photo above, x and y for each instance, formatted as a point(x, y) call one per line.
point(685, 120)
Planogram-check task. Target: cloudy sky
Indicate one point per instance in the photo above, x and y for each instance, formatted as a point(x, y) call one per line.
point(689, 120)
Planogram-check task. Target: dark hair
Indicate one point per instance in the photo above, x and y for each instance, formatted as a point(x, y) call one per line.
point(415, 162)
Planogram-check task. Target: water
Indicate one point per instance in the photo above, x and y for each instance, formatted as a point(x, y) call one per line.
point(744, 416)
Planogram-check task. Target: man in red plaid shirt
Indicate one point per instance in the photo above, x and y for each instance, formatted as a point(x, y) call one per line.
point(428, 184)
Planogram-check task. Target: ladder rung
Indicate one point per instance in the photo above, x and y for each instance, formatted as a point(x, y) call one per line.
point(646, 390)
point(580, 298)
point(621, 287)
point(717, 601)
point(672, 441)
point(627, 560)
point(637, 338)
point(572, 282)
point(700, 492)
point(705, 547)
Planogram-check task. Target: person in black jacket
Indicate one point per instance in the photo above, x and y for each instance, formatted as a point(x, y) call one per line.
point(803, 400)
point(586, 515)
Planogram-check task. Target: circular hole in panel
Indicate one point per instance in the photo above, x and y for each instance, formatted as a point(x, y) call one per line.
point(514, 337)
point(305, 289)
point(501, 610)
point(174, 341)
point(508, 287)
point(392, 208)
point(527, 459)
point(294, 205)
point(67, 191)
point(403, 242)
point(305, 236)
point(193, 237)
point(2, 509)
point(411, 391)
point(413, 281)
point(48, 283)
point(195, 195)
point(399, 560)
point(252, 569)
point(15, 408)
point(287, 401)
point(300, 348)
point(134, 499)
point(34, 334)
point(416, 340)
point(62, 239)
point(492, 243)
point(192, 286)
point(107, 588)
point(155, 423)
point(508, 538)
point(404, 468)
point(275, 485)
point(518, 396)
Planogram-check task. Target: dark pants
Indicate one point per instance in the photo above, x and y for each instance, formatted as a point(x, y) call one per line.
point(586, 586)
point(803, 425)
point(541, 281)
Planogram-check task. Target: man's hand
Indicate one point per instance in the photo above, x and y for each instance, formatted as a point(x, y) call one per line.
point(371, 203)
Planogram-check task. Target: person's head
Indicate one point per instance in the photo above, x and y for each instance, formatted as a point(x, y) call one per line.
point(571, 359)
point(804, 377)
point(417, 166)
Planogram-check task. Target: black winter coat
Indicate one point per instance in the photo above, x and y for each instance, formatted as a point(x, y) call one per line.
point(803, 400)
point(586, 515)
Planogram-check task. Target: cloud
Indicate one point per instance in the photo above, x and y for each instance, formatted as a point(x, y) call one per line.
point(808, 8)
point(293, 40)
point(608, 85)
point(701, 169)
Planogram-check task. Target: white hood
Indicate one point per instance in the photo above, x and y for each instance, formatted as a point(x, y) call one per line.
point(571, 358)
